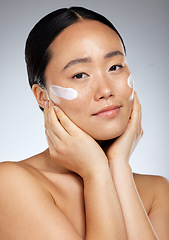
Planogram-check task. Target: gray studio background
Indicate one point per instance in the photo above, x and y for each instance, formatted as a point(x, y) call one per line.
point(144, 25)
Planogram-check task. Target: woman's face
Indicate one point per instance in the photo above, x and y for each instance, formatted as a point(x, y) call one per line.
point(88, 56)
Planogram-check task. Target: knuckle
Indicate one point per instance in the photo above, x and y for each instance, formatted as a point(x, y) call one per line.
point(53, 153)
point(60, 149)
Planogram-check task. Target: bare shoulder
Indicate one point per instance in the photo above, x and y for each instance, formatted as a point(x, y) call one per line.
point(154, 192)
point(151, 183)
point(6, 167)
point(21, 171)
point(18, 179)
point(27, 208)
point(16, 172)
point(11, 170)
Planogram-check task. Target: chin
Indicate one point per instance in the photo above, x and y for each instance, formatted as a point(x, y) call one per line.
point(107, 135)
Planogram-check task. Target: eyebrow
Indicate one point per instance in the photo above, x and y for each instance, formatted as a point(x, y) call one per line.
point(76, 61)
point(112, 54)
point(88, 60)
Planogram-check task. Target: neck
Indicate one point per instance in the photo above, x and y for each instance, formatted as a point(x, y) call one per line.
point(105, 144)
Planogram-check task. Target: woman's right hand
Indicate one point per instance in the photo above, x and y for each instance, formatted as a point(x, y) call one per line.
point(70, 146)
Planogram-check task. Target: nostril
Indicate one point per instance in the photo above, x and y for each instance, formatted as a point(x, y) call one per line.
point(103, 91)
point(101, 97)
point(106, 96)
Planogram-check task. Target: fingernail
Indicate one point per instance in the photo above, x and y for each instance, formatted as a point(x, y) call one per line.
point(55, 108)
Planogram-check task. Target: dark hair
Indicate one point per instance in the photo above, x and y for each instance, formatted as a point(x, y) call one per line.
point(37, 53)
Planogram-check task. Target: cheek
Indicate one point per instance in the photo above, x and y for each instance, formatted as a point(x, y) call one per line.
point(126, 88)
point(130, 92)
point(73, 102)
point(56, 93)
point(130, 82)
point(125, 94)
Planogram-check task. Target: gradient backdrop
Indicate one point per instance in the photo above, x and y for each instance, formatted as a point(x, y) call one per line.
point(144, 25)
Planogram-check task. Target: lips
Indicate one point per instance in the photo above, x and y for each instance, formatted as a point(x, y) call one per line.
point(108, 111)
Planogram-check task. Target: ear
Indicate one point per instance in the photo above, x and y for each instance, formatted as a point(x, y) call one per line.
point(40, 95)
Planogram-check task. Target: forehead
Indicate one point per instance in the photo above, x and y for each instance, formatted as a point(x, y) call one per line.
point(84, 37)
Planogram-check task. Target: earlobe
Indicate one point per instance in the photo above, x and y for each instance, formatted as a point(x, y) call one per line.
point(40, 95)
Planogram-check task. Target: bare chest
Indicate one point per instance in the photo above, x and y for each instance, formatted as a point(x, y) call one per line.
point(68, 196)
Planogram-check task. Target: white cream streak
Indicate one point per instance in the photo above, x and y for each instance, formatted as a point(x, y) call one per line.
point(65, 93)
point(130, 82)
point(70, 93)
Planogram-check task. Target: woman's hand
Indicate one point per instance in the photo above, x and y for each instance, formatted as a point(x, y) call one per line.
point(136, 219)
point(70, 146)
point(123, 146)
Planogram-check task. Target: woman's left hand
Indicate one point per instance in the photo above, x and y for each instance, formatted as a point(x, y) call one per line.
point(124, 145)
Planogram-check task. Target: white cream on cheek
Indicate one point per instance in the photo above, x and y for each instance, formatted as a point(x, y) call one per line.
point(60, 92)
point(70, 93)
point(130, 82)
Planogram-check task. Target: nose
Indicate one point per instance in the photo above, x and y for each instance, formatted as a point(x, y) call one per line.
point(103, 88)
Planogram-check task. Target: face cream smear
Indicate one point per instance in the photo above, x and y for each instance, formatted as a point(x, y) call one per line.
point(65, 93)
point(130, 82)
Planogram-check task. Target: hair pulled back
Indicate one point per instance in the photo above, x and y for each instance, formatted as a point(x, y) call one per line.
point(37, 53)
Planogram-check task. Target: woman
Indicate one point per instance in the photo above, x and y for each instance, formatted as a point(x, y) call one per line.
point(82, 186)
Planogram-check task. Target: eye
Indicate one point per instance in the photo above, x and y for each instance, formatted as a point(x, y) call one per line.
point(80, 75)
point(115, 67)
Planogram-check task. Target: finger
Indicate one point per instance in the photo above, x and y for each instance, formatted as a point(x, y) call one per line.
point(137, 112)
point(52, 122)
point(138, 116)
point(47, 120)
point(45, 112)
point(67, 124)
point(51, 145)
point(55, 125)
point(53, 137)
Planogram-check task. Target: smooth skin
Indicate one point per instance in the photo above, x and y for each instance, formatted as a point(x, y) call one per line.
point(82, 187)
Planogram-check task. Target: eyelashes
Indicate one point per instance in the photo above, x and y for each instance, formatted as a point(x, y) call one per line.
point(116, 67)
point(80, 75)
point(113, 68)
